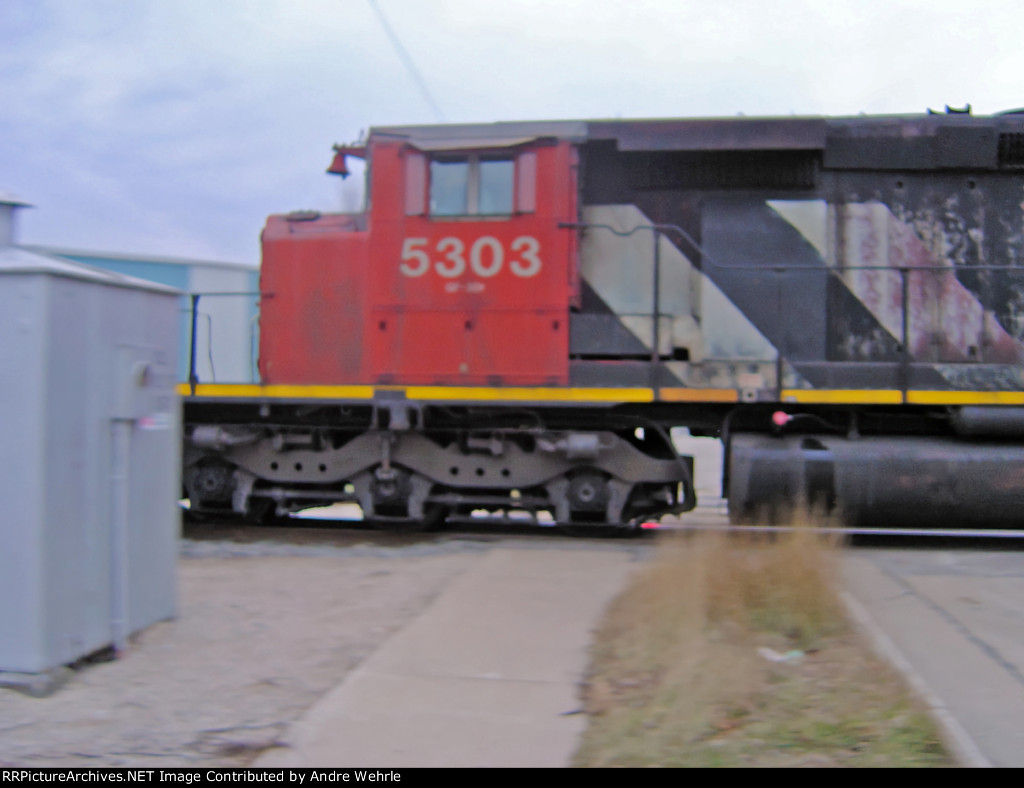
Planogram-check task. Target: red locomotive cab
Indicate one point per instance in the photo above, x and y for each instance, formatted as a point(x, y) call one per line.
point(470, 276)
point(458, 275)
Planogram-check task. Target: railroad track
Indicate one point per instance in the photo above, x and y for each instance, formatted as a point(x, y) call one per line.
point(344, 533)
point(348, 533)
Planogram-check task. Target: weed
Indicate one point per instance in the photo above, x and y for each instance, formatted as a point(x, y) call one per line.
point(677, 678)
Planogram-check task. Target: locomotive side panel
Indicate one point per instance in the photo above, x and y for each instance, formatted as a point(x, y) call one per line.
point(875, 254)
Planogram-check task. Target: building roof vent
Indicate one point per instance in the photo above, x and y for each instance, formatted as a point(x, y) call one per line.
point(8, 205)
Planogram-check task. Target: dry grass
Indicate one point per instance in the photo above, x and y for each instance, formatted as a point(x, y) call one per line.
point(677, 678)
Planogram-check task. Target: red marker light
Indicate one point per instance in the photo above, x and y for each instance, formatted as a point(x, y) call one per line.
point(781, 419)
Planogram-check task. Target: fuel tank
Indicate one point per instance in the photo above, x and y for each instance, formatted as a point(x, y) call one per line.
point(878, 481)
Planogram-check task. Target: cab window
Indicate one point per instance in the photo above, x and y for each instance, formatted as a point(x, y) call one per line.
point(496, 185)
point(472, 186)
point(449, 188)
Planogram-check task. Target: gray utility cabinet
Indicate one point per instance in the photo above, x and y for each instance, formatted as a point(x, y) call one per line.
point(89, 458)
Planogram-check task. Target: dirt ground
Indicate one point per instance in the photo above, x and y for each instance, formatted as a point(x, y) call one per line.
point(263, 631)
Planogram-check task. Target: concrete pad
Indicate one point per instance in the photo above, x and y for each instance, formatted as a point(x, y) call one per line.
point(976, 687)
point(521, 615)
point(488, 675)
point(988, 608)
point(383, 720)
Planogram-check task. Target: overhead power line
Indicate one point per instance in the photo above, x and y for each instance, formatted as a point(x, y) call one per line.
point(407, 61)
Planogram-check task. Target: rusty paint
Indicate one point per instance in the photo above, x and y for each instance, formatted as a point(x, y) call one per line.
point(946, 322)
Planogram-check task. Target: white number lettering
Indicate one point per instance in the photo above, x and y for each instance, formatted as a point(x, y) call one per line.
point(476, 256)
point(410, 252)
point(454, 256)
point(486, 257)
point(528, 247)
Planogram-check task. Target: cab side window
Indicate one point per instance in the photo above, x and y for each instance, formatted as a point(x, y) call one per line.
point(496, 186)
point(472, 186)
point(449, 187)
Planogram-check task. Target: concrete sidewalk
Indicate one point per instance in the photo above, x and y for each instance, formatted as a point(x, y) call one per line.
point(488, 675)
point(975, 691)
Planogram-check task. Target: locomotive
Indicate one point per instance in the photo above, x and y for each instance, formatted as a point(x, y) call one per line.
point(525, 310)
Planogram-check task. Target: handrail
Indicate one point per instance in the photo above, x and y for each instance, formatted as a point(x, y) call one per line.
point(193, 376)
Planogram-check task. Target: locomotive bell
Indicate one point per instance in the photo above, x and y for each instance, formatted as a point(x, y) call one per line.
point(339, 165)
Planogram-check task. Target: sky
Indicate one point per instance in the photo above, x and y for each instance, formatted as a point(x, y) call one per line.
point(175, 127)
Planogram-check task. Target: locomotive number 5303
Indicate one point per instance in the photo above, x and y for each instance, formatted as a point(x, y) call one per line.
point(486, 257)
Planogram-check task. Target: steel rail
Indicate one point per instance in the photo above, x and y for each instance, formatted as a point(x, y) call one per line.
point(978, 533)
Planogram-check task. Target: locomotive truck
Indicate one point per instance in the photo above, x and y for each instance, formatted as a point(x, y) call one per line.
point(524, 311)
